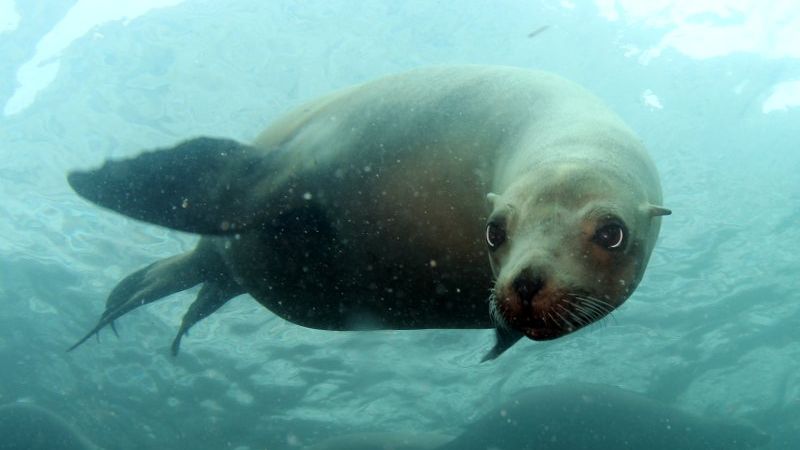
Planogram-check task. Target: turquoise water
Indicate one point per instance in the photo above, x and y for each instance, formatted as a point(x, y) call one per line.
point(714, 92)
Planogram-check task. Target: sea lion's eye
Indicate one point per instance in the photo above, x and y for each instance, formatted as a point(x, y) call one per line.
point(610, 236)
point(495, 234)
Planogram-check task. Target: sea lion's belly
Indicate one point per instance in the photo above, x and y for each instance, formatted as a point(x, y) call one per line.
point(386, 224)
point(395, 247)
point(322, 280)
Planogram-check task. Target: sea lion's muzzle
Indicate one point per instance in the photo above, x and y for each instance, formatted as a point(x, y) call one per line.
point(526, 286)
point(537, 306)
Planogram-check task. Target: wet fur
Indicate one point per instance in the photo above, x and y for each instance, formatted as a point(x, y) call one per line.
point(364, 209)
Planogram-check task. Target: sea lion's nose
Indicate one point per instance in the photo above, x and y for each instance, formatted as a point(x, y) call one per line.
point(527, 284)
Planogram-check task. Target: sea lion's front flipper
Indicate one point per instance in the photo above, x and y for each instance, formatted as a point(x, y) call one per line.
point(211, 297)
point(504, 339)
point(201, 186)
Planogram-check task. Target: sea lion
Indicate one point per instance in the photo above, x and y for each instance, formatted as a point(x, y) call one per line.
point(366, 209)
point(25, 426)
point(584, 416)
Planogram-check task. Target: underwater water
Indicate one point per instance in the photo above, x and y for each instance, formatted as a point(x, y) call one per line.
point(711, 87)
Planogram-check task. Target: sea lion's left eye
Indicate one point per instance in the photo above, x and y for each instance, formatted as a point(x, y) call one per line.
point(610, 236)
point(495, 234)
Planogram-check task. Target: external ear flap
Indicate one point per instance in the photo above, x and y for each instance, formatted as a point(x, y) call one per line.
point(200, 186)
point(491, 197)
point(656, 211)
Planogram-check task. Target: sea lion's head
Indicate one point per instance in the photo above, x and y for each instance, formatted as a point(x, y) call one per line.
point(568, 244)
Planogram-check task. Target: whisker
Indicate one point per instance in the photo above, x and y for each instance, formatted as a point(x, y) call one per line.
point(567, 324)
point(562, 322)
point(596, 310)
point(577, 320)
point(590, 314)
point(608, 307)
point(588, 317)
point(603, 308)
point(597, 304)
point(495, 314)
point(581, 308)
point(602, 302)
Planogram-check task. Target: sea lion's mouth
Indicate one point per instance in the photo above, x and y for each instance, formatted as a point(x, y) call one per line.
point(550, 316)
point(544, 334)
point(545, 325)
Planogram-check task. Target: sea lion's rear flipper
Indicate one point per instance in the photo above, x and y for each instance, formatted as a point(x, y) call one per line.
point(157, 281)
point(211, 297)
point(201, 186)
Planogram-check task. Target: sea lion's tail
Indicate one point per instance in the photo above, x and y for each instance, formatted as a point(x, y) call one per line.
point(166, 277)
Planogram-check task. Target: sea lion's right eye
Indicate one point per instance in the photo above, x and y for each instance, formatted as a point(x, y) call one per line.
point(495, 234)
point(610, 236)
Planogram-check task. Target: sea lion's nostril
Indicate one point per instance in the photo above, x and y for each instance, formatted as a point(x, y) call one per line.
point(527, 285)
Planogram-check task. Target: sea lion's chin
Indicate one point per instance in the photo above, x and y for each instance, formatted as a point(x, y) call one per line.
point(549, 315)
point(541, 326)
point(544, 333)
